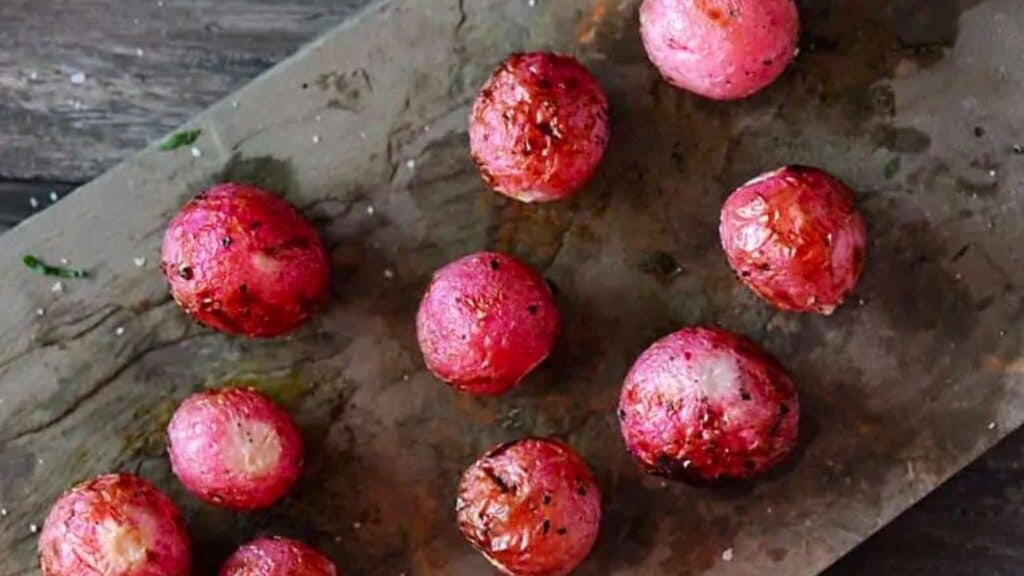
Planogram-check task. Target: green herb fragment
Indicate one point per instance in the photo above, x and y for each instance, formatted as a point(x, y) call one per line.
point(892, 168)
point(37, 265)
point(179, 139)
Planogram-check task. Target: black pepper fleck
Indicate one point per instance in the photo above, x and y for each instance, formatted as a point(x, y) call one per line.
point(226, 242)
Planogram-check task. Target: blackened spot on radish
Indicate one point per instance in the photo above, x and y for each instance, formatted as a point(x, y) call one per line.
point(226, 242)
point(784, 409)
point(562, 531)
point(255, 225)
point(185, 272)
point(494, 264)
point(498, 481)
point(664, 461)
point(622, 414)
point(745, 395)
point(532, 309)
point(745, 273)
point(688, 355)
point(546, 129)
point(547, 499)
point(581, 489)
point(243, 289)
point(547, 526)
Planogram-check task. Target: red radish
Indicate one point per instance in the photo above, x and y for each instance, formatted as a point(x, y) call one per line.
point(539, 127)
point(532, 507)
point(795, 238)
point(277, 557)
point(114, 525)
point(707, 406)
point(486, 321)
point(234, 448)
point(244, 261)
point(720, 49)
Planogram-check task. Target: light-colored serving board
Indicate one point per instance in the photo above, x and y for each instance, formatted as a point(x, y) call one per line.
point(914, 103)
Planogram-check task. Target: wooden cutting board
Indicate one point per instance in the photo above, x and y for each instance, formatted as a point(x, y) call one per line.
point(914, 103)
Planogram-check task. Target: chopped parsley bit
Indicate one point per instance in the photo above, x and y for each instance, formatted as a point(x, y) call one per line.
point(37, 265)
point(179, 139)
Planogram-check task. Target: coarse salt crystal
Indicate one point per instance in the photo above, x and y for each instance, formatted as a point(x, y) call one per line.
point(370, 210)
point(33, 528)
point(119, 331)
point(54, 196)
point(727, 555)
point(33, 202)
point(196, 152)
point(411, 164)
point(40, 312)
point(316, 139)
point(57, 288)
point(78, 78)
point(139, 261)
point(389, 273)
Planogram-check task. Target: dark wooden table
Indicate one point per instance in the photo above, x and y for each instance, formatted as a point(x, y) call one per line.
point(83, 83)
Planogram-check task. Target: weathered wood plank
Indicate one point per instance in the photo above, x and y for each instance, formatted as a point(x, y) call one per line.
point(387, 442)
point(971, 526)
point(19, 199)
point(148, 66)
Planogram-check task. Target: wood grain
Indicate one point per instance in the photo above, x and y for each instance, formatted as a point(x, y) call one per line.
point(969, 527)
point(148, 66)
